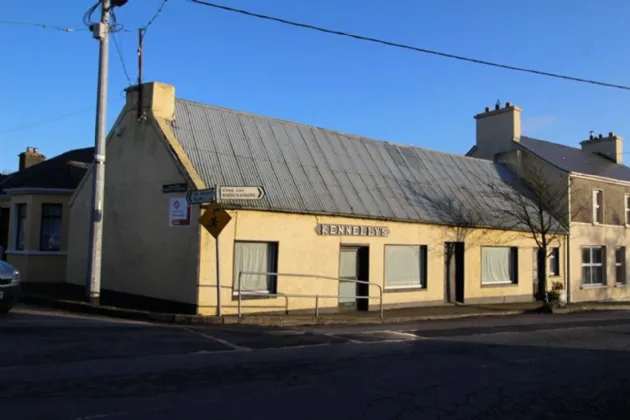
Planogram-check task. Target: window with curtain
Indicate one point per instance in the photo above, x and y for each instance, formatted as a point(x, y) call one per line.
point(499, 265)
point(593, 264)
point(405, 266)
point(20, 225)
point(255, 257)
point(50, 233)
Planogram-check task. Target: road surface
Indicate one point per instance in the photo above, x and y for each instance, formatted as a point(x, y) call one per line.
point(61, 366)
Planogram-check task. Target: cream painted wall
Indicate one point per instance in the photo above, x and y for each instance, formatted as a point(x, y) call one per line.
point(142, 254)
point(602, 235)
point(301, 250)
point(36, 265)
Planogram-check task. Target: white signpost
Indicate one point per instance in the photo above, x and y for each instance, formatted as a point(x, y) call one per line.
point(201, 196)
point(216, 195)
point(241, 193)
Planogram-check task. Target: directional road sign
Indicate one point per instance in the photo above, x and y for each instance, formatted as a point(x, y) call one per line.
point(201, 196)
point(214, 219)
point(241, 193)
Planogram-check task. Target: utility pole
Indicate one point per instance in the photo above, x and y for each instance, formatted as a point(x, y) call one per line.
point(100, 31)
point(140, 62)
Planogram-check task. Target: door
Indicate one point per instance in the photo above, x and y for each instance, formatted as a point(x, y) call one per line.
point(454, 261)
point(4, 231)
point(353, 265)
point(539, 265)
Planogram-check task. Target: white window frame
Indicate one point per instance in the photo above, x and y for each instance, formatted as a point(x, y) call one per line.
point(514, 267)
point(554, 258)
point(423, 267)
point(598, 207)
point(621, 263)
point(592, 264)
point(626, 199)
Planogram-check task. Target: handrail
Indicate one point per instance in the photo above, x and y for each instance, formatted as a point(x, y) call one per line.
point(316, 296)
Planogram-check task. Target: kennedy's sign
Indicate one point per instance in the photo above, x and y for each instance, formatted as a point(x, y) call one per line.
point(352, 230)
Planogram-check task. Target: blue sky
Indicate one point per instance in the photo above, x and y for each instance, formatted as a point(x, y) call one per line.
point(275, 70)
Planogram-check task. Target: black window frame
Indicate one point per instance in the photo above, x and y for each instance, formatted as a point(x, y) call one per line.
point(21, 213)
point(46, 216)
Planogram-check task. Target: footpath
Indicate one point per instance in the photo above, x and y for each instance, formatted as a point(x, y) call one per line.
point(391, 316)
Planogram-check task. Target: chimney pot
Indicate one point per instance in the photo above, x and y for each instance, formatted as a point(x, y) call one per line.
point(611, 134)
point(508, 104)
point(591, 137)
point(497, 107)
point(487, 109)
point(601, 136)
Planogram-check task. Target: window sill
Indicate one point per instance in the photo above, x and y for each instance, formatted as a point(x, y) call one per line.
point(261, 295)
point(621, 285)
point(405, 289)
point(499, 285)
point(593, 286)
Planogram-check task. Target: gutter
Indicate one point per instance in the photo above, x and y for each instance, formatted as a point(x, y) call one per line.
point(35, 190)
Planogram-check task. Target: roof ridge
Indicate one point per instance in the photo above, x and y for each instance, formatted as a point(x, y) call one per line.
point(350, 135)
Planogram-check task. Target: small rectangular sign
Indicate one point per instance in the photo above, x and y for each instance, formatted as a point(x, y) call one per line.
point(170, 188)
point(179, 212)
point(351, 230)
point(201, 196)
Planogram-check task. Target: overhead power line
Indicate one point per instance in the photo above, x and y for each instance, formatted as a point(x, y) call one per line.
point(121, 57)
point(35, 124)
point(41, 25)
point(410, 47)
point(155, 16)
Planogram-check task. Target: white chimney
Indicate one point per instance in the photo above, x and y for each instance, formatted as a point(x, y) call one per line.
point(610, 147)
point(496, 130)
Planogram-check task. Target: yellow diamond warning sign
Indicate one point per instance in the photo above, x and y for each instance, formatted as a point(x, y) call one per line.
point(214, 219)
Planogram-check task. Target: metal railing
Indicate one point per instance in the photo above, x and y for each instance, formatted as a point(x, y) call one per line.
point(317, 296)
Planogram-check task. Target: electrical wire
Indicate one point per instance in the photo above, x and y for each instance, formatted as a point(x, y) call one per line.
point(114, 26)
point(60, 117)
point(155, 16)
point(122, 59)
point(409, 47)
point(42, 25)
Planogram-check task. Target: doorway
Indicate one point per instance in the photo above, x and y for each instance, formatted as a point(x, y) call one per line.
point(454, 272)
point(539, 265)
point(354, 264)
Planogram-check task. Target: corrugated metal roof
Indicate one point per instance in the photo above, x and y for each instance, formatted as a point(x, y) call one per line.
point(310, 170)
point(571, 159)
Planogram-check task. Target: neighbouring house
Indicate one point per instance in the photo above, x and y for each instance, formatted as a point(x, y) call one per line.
point(34, 213)
point(337, 207)
point(595, 189)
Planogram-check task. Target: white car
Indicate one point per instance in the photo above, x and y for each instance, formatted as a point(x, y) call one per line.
point(9, 286)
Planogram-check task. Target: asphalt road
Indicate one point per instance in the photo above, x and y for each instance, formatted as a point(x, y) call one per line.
point(59, 366)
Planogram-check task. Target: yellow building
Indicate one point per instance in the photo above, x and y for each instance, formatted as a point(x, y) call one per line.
point(591, 188)
point(413, 223)
point(34, 213)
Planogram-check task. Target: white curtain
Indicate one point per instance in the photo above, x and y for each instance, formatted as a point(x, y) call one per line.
point(403, 266)
point(254, 258)
point(495, 265)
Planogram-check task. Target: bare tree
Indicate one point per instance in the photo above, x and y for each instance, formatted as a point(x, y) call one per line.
point(463, 220)
point(535, 201)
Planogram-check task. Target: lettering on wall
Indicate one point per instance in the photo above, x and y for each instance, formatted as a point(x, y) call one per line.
point(351, 230)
